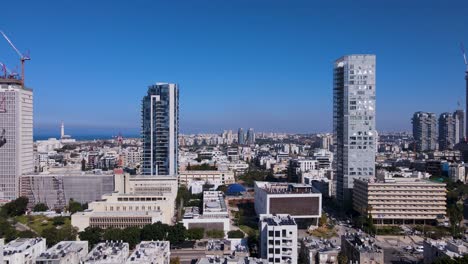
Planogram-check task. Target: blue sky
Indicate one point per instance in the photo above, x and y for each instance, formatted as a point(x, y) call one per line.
point(240, 63)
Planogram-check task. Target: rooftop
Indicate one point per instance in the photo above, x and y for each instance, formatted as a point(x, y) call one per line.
point(278, 220)
point(285, 188)
point(20, 244)
point(149, 251)
point(63, 248)
point(362, 242)
point(231, 260)
point(108, 252)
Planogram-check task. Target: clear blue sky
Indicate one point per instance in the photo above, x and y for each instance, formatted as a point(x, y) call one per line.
point(240, 63)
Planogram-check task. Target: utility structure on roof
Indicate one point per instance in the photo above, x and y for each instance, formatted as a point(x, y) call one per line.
point(23, 57)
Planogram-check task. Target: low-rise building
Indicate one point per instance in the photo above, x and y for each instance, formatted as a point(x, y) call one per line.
point(360, 248)
point(400, 200)
point(109, 252)
point(457, 172)
point(301, 201)
point(215, 177)
point(278, 238)
point(439, 249)
point(151, 252)
point(138, 201)
point(215, 215)
point(231, 260)
point(317, 251)
point(23, 250)
point(64, 252)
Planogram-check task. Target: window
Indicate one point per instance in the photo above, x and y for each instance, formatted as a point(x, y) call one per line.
point(277, 233)
point(277, 250)
point(270, 233)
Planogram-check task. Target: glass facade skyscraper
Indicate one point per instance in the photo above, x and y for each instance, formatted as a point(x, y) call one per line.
point(354, 121)
point(160, 129)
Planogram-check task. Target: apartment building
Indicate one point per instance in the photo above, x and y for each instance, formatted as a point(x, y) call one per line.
point(64, 252)
point(400, 200)
point(278, 238)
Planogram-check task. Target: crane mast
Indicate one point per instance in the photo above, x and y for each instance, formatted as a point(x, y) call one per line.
point(22, 56)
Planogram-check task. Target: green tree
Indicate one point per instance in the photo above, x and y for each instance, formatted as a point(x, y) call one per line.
point(74, 206)
point(26, 234)
point(177, 234)
point(455, 212)
point(7, 231)
point(195, 233)
point(113, 234)
point(40, 207)
point(58, 220)
point(54, 235)
point(15, 208)
point(236, 234)
point(92, 234)
point(323, 220)
point(131, 235)
point(155, 231)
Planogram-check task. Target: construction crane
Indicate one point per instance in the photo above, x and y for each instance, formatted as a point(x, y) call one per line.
point(4, 69)
point(23, 57)
point(464, 55)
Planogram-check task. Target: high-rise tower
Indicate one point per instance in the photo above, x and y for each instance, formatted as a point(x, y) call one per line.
point(354, 121)
point(160, 129)
point(250, 136)
point(459, 116)
point(447, 131)
point(240, 136)
point(16, 136)
point(425, 131)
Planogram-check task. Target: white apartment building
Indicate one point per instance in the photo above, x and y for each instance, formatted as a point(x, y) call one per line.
point(23, 250)
point(301, 201)
point(278, 238)
point(137, 201)
point(400, 200)
point(16, 136)
point(109, 252)
point(214, 216)
point(45, 146)
point(214, 177)
point(151, 252)
point(64, 252)
point(131, 157)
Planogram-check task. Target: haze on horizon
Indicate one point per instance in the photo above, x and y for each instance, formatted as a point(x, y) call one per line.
point(261, 64)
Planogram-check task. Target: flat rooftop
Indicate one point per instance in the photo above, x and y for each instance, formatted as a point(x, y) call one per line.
point(285, 188)
point(20, 244)
point(63, 248)
point(108, 252)
point(278, 220)
point(148, 251)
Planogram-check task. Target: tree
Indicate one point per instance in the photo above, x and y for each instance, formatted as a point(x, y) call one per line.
point(155, 231)
point(195, 233)
point(113, 234)
point(15, 208)
point(323, 220)
point(131, 235)
point(59, 220)
point(54, 235)
point(177, 234)
point(92, 234)
point(74, 206)
point(236, 234)
point(455, 212)
point(26, 234)
point(7, 231)
point(40, 207)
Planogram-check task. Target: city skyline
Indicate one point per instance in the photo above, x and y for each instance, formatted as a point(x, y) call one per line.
point(226, 55)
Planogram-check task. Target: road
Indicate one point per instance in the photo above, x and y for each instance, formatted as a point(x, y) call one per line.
point(186, 256)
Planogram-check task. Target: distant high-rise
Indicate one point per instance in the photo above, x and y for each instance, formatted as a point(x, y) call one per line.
point(354, 121)
point(160, 129)
point(240, 136)
point(16, 136)
point(459, 117)
point(446, 131)
point(250, 136)
point(425, 131)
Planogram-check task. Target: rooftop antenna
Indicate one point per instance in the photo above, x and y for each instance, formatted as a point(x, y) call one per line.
point(23, 57)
